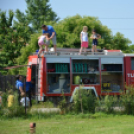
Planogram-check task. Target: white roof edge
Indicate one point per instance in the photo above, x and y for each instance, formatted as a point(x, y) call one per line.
point(131, 54)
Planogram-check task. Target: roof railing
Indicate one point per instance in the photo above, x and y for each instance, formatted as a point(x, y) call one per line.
point(75, 52)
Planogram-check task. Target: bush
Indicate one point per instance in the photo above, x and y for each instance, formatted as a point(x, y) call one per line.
point(84, 101)
point(127, 99)
point(13, 111)
point(108, 103)
point(4, 100)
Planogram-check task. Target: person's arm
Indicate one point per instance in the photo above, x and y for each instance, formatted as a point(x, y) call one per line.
point(53, 34)
point(98, 36)
point(39, 37)
point(81, 37)
point(21, 89)
point(91, 37)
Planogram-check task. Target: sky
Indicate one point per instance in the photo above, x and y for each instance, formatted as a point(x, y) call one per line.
point(118, 15)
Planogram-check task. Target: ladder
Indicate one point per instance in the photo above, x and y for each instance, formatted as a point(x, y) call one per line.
point(39, 70)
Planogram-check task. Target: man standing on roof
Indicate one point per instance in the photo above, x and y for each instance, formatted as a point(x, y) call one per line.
point(49, 29)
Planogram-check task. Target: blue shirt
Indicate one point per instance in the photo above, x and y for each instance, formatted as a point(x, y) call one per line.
point(29, 86)
point(50, 30)
point(19, 84)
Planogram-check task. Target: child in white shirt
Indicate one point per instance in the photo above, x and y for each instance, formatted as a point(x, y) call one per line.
point(84, 39)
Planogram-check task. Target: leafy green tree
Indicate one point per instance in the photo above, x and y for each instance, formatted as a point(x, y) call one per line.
point(12, 39)
point(68, 36)
point(7, 52)
point(24, 53)
point(120, 42)
point(68, 31)
point(22, 25)
point(131, 48)
point(39, 11)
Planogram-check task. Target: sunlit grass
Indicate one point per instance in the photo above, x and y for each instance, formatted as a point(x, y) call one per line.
point(71, 124)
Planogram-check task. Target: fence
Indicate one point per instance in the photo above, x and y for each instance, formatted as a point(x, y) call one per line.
point(7, 82)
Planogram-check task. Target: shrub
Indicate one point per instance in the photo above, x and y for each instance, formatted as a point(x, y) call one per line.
point(4, 99)
point(13, 111)
point(108, 103)
point(127, 99)
point(84, 101)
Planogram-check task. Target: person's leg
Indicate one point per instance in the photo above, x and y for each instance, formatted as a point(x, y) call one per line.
point(54, 43)
point(46, 44)
point(55, 48)
point(19, 97)
point(95, 48)
point(29, 95)
point(92, 48)
point(40, 49)
point(85, 49)
point(46, 48)
point(81, 50)
point(95, 45)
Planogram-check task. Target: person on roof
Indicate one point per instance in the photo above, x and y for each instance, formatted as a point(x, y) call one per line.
point(49, 29)
point(95, 38)
point(84, 39)
point(41, 42)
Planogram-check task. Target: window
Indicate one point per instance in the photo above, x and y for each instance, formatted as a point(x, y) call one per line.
point(132, 63)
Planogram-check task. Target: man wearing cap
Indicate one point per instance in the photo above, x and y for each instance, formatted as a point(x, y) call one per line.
point(49, 29)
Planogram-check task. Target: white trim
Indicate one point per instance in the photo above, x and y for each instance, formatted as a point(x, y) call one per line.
point(76, 88)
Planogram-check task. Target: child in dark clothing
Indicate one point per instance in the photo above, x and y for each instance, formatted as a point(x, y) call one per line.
point(95, 38)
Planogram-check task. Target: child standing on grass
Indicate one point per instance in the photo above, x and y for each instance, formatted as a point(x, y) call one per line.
point(22, 101)
point(95, 38)
point(41, 42)
point(10, 98)
point(84, 39)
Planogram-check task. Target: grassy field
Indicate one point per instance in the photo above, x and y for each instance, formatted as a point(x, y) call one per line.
point(71, 124)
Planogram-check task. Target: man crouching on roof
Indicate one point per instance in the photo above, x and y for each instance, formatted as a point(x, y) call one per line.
point(49, 29)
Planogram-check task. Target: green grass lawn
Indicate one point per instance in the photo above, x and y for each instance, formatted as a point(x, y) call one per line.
point(71, 124)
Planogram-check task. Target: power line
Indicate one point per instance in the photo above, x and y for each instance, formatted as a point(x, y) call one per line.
point(106, 18)
point(118, 18)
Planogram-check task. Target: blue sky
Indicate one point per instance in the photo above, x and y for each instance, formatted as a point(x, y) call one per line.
point(118, 15)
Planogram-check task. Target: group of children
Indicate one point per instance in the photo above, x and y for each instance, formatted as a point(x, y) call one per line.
point(11, 99)
point(83, 37)
point(85, 42)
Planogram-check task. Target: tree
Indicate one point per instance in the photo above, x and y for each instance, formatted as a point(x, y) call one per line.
point(22, 25)
point(12, 39)
point(120, 42)
point(39, 11)
point(68, 31)
point(68, 36)
point(130, 49)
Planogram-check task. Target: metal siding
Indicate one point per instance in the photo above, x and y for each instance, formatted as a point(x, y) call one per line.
point(111, 60)
point(57, 60)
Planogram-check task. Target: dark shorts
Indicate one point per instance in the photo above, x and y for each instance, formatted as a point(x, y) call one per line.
point(95, 42)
